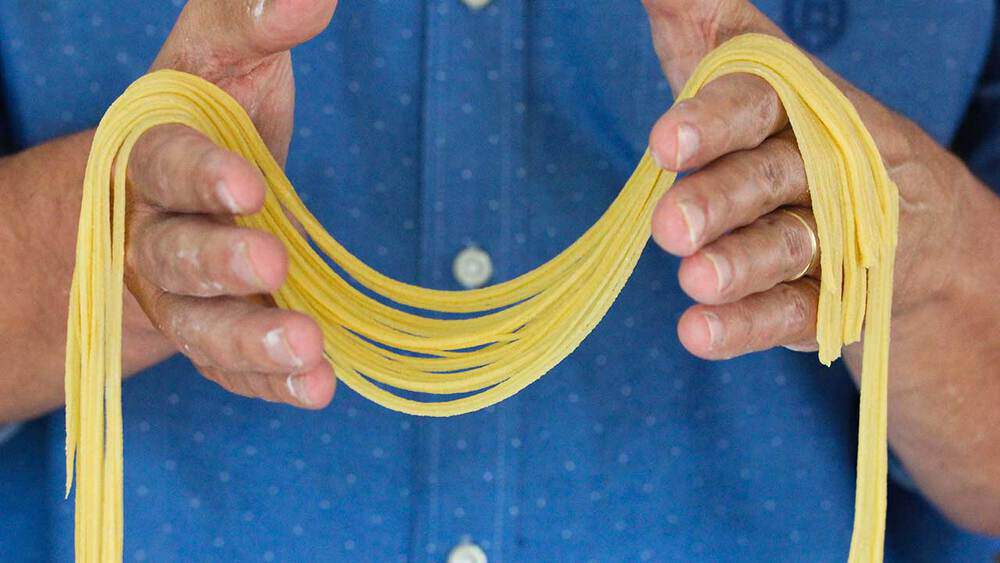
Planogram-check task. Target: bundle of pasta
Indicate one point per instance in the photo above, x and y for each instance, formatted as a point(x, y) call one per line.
point(480, 346)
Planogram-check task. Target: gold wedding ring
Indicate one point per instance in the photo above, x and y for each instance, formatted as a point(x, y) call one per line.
point(813, 242)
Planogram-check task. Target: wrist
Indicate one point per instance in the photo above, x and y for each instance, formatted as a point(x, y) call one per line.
point(939, 200)
point(970, 264)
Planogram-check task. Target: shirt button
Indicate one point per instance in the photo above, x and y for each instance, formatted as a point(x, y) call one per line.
point(472, 267)
point(467, 553)
point(476, 4)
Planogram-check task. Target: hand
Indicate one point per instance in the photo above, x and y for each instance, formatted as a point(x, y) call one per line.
point(741, 252)
point(198, 277)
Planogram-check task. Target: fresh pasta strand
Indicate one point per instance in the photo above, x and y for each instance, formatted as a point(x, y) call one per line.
point(508, 335)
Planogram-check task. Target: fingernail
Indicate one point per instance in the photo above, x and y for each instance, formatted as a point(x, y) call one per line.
point(297, 387)
point(723, 271)
point(714, 329)
point(279, 350)
point(687, 144)
point(694, 219)
point(227, 199)
point(241, 265)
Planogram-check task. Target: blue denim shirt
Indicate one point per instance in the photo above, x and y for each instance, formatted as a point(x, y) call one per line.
point(424, 127)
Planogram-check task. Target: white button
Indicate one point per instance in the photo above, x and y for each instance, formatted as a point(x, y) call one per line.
point(472, 267)
point(467, 553)
point(476, 4)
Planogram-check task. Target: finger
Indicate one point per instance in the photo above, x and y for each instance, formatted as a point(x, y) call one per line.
point(212, 36)
point(311, 389)
point(775, 248)
point(730, 193)
point(177, 168)
point(684, 31)
point(731, 113)
point(784, 314)
point(235, 335)
point(194, 255)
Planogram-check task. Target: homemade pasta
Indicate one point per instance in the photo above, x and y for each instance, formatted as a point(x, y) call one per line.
point(480, 346)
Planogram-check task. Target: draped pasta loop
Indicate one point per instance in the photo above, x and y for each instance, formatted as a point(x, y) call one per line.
point(402, 346)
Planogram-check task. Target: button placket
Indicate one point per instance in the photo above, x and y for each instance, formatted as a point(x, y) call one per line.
point(472, 85)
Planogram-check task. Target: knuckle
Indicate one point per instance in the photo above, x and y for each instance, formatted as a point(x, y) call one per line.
point(164, 154)
point(722, 128)
point(797, 309)
point(771, 177)
point(248, 346)
point(234, 252)
point(147, 151)
point(143, 236)
point(726, 207)
point(724, 185)
point(210, 161)
point(170, 142)
point(135, 245)
point(709, 19)
point(745, 110)
point(795, 242)
point(798, 312)
point(767, 108)
point(748, 330)
point(164, 259)
point(786, 148)
point(238, 386)
point(259, 387)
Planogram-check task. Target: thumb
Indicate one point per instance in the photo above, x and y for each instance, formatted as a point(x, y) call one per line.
point(218, 39)
point(243, 47)
point(684, 31)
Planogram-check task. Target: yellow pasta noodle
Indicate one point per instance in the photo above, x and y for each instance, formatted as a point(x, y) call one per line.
point(477, 347)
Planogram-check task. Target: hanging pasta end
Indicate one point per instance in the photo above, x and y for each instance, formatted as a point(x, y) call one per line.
point(70, 454)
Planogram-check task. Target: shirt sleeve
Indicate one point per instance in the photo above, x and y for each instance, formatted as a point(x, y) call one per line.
point(978, 138)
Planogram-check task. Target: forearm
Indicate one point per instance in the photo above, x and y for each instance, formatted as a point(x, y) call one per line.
point(39, 208)
point(944, 390)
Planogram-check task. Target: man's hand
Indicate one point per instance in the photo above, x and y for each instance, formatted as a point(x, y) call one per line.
point(194, 272)
point(741, 253)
